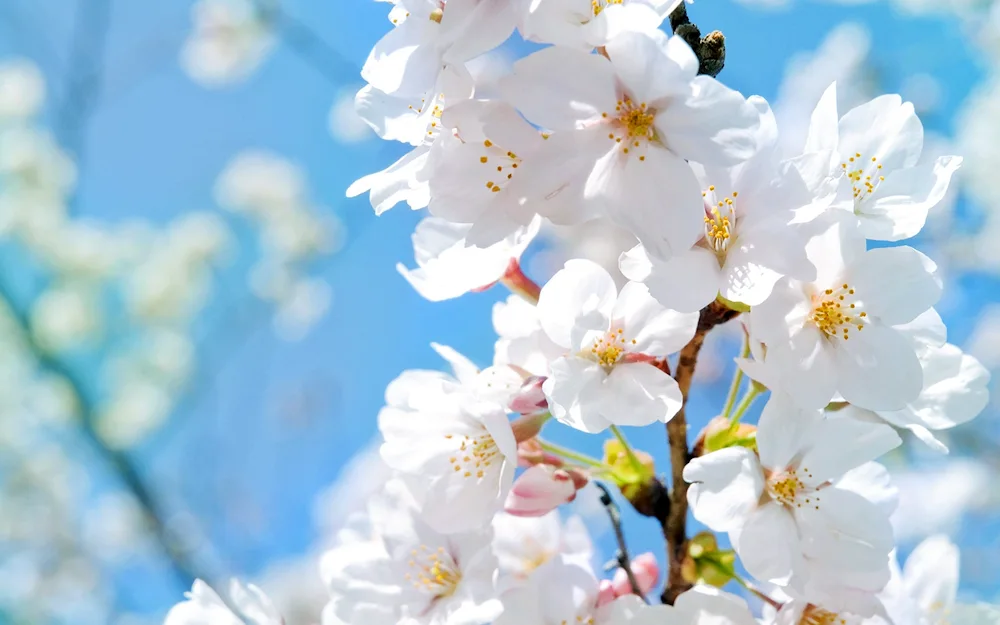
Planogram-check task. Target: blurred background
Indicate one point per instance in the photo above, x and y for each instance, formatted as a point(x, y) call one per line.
point(196, 327)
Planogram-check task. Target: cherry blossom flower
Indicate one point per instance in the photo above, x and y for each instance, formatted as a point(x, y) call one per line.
point(748, 242)
point(408, 573)
point(791, 510)
point(626, 124)
point(837, 334)
point(522, 343)
point(523, 544)
point(875, 148)
point(448, 266)
point(607, 375)
point(431, 35)
point(203, 605)
point(591, 23)
point(229, 41)
point(541, 489)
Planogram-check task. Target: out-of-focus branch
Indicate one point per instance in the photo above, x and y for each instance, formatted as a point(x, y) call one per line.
point(85, 74)
point(710, 49)
point(119, 462)
point(309, 45)
point(624, 560)
point(675, 529)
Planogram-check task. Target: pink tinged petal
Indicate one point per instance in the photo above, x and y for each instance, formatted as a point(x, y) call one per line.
point(575, 302)
point(646, 571)
point(606, 593)
point(706, 605)
point(726, 486)
point(648, 72)
point(877, 369)
point(840, 444)
point(823, 124)
point(768, 544)
point(400, 64)
point(638, 394)
point(687, 282)
point(895, 283)
point(572, 389)
point(560, 88)
point(886, 128)
point(783, 431)
point(930, 574)
point(655, 330)
point(711, 124)
point(657, 199)
point(397, 183)
point(807, 366)
point(899, 207)
point(539, 490)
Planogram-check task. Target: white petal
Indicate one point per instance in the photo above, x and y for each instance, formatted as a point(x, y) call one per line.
point(706, 605)
point(573, 389)
point(768, 543)
point(886, 128)
point(783, 431)
point(927, 330)
point(657, 331)
point(807, 367)
point(398, 64)
point(557, 88)
point(873, 482)
point(643, 65)
point(895, 283)
point(396, 183)
point(823, 130)
point(840, 444)
point(726, 486)
point(577, 300)
point(638, 394)
point(955, 390)
point(899, 207)
point(930, 574)
point(687, 282)
point(877, 369)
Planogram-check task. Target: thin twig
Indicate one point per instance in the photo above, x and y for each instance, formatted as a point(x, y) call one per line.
point(624, 562)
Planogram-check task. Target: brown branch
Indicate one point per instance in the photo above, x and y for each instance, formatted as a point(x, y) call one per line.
point(710, 49)
point(675, 528)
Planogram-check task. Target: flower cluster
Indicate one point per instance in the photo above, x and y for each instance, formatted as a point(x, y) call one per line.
point(613, 120)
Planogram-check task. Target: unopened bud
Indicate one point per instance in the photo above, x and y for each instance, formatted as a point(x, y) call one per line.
point(530, 399)
point(646, 572)
point(705, 563)
point(720, 433)
point(530, 453)
point(541, 489)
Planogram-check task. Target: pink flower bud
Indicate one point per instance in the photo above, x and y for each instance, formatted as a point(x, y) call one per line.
point(530, 453)
point(646, 572)
point(530, 399)
point(605, 593)
point(539, 490)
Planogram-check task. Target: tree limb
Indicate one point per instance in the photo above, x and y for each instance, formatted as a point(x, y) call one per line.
point(710, 49)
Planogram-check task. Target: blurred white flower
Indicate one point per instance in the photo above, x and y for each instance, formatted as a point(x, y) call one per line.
point(135, 409)
point(30, 159)
point(204, 606)
point(229, 41)
point(22, 90)
point(66, 315)
point(256, 181)
point(935, 498)
point(345, 124)
point(114, 527)
point(307, 302)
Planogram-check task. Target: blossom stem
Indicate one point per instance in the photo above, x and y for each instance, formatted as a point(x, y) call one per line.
point(774, 603)
point(632, 458)
point(520, 284)
point(745, 403)
point(569, 454)
point(624, 561)
point(734, 388)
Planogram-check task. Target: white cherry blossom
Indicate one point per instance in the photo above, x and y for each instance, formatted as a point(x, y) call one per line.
point(874, 150)
point(408, 573)
point(625, 125)
point(589, 24)
point(456, 452)
point(522, 342)
point(229, 41)
point(607, 376)
point(203, 606)
point(448, 266)
point(432, 35)
point(836, 334)
point(749, 242)
point(791, 510)
point(523, 544)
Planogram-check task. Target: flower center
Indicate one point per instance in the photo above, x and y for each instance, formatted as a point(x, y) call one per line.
point(818, 616)
point(475, 454)
point(433, 572)
point(581, 619)
point(836, 311)
point(600, 5)
point(787, 488)
point(610, 348)
point(720, 220)
point(631, 125)
point(505, 164)
point(436, 110)
point(863, 174)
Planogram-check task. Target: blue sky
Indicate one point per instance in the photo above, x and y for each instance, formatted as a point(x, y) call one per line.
point(279, 419)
